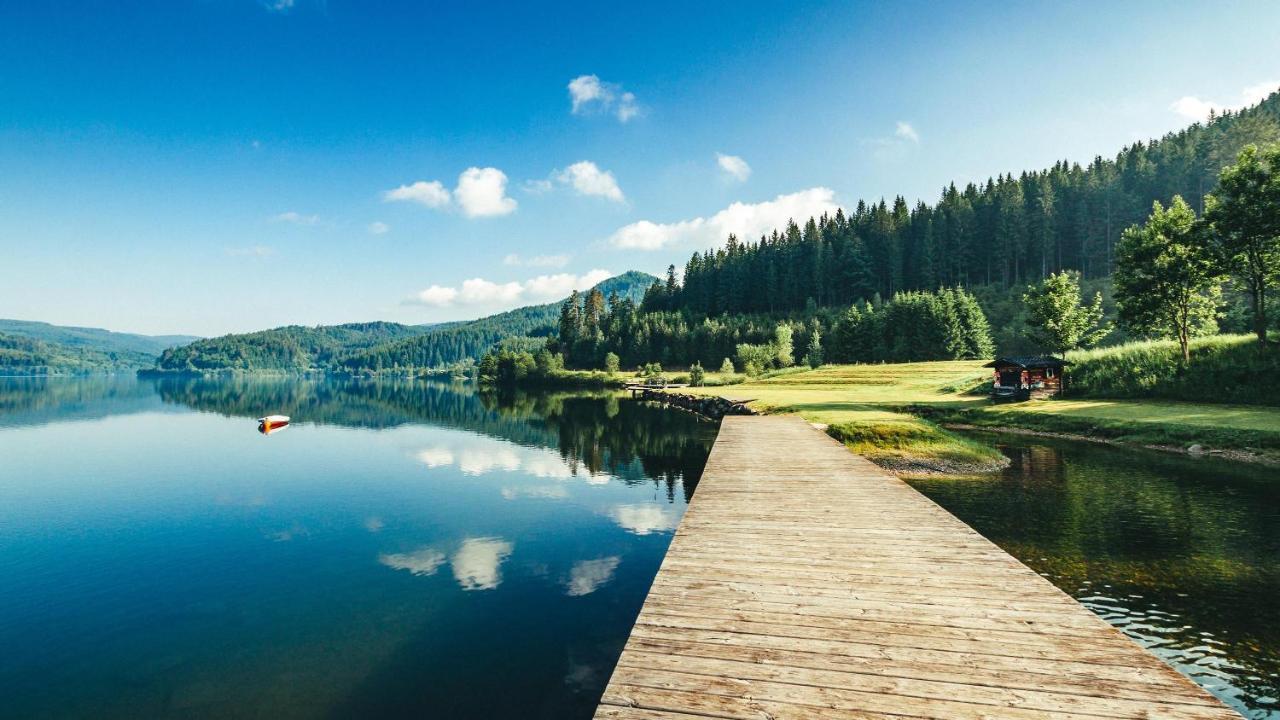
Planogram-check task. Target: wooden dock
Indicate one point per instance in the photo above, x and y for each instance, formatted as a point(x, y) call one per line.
point(806, 583)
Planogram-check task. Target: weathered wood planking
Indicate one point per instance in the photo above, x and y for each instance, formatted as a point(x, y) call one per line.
point(805, 582)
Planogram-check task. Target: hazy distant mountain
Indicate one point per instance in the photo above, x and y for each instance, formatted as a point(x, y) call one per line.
point(362, 347)
point(37, 348)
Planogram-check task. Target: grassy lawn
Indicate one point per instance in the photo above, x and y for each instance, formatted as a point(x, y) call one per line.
point(892, 413)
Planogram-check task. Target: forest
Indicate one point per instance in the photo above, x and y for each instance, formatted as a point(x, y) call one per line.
point(1183, 233)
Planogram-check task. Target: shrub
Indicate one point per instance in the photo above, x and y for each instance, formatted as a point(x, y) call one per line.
point(611, 363)
point(726, 367)
point(697, 375)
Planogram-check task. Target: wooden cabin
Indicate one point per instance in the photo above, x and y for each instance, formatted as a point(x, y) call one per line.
point(1025, 378)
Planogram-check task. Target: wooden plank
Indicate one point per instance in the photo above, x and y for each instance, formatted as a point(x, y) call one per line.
point(804, 582)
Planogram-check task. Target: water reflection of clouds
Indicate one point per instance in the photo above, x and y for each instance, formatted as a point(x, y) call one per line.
point(479, 456)
point(477, 563)
point(422, 562)
point(645, 519)
point(587, 576)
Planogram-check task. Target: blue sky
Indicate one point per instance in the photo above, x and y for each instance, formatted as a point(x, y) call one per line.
point(209, 166)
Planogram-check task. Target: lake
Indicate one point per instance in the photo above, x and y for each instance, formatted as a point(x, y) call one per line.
point(403, 549)
point(419, 549)
point(1181, 554)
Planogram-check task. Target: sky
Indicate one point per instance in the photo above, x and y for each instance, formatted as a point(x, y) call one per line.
point(214, 166)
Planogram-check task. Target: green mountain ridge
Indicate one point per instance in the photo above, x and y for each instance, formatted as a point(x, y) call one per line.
point(374, 346)
point(38, 348)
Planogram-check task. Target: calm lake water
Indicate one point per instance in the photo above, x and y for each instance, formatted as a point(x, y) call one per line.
point(403, 550)
point(1182, 554)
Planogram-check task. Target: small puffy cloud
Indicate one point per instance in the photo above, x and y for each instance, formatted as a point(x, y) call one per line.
point(733, 167)
point(252, 251)
point(556, 261)
point(586, 178)
point(379, 228)
point(295, 218)
point(432, 194)
point(482, 192)
point(746, 220)
point(644, 519)
point(477, 565)
point(1197, 109)
point(422, 562)
point(436, 296)
point(478, 291)
point(587, 576)
point(588, 93)
point(906, 132)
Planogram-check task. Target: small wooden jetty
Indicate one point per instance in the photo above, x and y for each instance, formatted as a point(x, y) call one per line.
point(805, 582)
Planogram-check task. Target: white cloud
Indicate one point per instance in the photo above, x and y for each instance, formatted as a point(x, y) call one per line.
point(734, 166)
point(478, 291)
point(906, 132)
point(1197, 109)
point(477, 565)
point(252, 251)
point(587, 178)
point(644, 519)
point(431, 194)
point(296, 218)
point(556, 261)
point(279, 5)
point(588, 93)
point(587, 576)
point(422, 562)
point(482, 192)
point(435, 296)
point(541, 492)
point(379, 228)
point(746, 220)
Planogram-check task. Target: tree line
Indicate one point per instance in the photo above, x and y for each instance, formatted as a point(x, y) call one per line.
point(1007, 231)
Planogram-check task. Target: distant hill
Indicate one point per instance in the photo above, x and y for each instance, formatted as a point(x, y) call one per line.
point(37, 348)
point(94, 338)
point(369, 347)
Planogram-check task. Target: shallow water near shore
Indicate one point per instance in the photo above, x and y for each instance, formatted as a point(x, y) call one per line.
point(404, 549)
point(1181, 554)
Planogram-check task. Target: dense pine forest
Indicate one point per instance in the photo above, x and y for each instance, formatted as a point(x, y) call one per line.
point(889, 282)
point(1007, 231)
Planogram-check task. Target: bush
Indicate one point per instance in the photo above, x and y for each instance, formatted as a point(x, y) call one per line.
point(697, 376)
point(611, 363)
point(726, 367)
point(1222, 369)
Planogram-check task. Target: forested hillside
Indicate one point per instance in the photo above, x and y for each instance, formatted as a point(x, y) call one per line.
point(1007, 231)
point(457, 342)
point(374, 346)
point(37, 348)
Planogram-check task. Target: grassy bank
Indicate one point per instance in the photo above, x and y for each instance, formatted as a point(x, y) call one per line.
point(1223, 369)
point(895, 414)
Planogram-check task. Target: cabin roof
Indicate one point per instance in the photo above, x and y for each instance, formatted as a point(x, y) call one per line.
point(1028, 362)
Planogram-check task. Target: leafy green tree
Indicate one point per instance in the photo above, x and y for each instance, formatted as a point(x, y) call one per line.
point(697, 376)
point(783, 352)
point(754, 358)
point(611, 363)
point(726, 367)
point(813, 356)
point(1245, 215)
point(1057, 318)
point(1167, 279)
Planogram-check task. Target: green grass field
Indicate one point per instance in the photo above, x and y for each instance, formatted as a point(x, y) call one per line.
point(892, 413)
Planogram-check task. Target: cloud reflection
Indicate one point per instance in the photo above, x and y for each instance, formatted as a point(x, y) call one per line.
point(477, 563)
point(587, 576)
point(422, 562)
point(644, 519)
point(546, 492)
